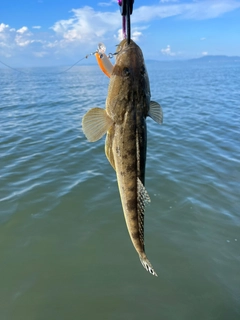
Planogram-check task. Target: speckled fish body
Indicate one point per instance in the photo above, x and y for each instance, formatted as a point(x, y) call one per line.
point(127, 106)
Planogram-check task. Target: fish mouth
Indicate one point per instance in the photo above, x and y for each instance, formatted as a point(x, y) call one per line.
point(124, 47)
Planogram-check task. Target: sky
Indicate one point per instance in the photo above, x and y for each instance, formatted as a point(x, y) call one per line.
point(60, 32)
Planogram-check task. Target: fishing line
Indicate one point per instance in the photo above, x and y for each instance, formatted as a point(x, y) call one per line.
point(29, 73)
point(110, 56)
point(126, 8)
point(6, 65)
point(90, 54)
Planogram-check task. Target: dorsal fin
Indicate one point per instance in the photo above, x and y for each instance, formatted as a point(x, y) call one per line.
point(143, 198)
point(143, 195)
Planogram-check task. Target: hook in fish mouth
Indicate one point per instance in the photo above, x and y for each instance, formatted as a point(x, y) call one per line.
point(111, 55)
point(122, 48)
point(101, 49)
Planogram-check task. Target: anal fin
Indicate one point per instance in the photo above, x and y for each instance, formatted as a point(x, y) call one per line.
point(108, 148)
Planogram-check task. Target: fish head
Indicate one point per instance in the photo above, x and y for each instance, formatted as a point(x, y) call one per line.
point(129, 79)
point(130, 63)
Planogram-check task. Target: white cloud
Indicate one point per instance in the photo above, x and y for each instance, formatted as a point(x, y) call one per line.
point(52, 44)
point(21, 42)
point(87, 25)
point(40, 54)
point(22, 30)
point(197, 10)
point(3, 26)
point(136, 34)
point(119, 35)
point(167, 51)
point(205, 53)
point(6, 40)
point(107, 4)
point(11, 40)
point(165, 1)
point(23, 37)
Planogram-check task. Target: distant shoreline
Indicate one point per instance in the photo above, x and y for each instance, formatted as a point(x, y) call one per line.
point(207, 58)
point(204, 59)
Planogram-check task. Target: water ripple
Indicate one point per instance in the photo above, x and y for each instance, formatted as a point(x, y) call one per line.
point(59, 199)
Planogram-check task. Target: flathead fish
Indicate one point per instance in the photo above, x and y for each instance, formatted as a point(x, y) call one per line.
point(124, 120)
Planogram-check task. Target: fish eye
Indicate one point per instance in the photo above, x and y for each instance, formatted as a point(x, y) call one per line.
point(126, 72)
point(143, 70)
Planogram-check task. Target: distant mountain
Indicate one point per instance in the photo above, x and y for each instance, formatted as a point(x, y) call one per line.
point(204, 59)
point(210, 58)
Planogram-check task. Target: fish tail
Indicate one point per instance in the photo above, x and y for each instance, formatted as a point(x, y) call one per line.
point(147, 265)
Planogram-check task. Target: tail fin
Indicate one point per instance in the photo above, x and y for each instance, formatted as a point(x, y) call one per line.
point(147, 265)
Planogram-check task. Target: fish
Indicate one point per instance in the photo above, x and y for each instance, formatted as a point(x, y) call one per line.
point(124, 123)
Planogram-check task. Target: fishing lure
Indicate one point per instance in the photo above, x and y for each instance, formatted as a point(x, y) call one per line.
point(103, 60)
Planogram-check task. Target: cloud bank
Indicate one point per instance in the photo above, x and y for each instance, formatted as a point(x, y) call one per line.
point(168, 52)
point(87, 26)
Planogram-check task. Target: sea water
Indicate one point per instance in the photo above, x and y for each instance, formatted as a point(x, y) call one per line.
point(65, 252)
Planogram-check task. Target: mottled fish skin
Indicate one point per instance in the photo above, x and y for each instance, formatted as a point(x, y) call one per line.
point(128, 105)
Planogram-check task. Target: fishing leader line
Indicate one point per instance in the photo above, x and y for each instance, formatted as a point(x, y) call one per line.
point(100, 50)
point(30, 73)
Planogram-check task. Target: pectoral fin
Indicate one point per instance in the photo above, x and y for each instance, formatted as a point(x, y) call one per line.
point(155, 112)
point(96, 123)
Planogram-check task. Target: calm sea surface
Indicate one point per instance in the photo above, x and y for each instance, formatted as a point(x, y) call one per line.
point(65, 252)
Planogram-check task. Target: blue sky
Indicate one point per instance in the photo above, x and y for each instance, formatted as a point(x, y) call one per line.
point(60, 32)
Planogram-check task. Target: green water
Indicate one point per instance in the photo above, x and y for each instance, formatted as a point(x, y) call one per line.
point(65, 249)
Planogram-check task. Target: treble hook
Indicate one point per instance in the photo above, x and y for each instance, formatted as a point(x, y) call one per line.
point(126, 8)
